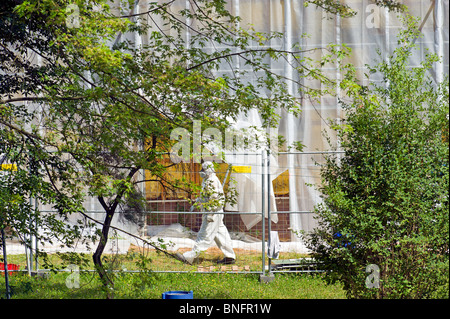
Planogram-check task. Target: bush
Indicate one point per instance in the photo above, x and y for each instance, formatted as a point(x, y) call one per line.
point(384, 222)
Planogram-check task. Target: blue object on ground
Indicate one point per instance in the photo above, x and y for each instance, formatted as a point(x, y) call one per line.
point(178, 294)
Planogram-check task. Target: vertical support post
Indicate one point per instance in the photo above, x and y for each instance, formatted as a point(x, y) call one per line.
point(439, 38)
point(269, 211)
point(27, 257)
point(387, 28)
point(30, 247)
point(265, 194)
point(36, 244)
point(263, 209)
point(265, 177)
point(338, 76)
point(188, 22)
point(5, 260)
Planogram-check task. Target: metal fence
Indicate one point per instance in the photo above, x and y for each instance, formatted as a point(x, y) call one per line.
point(276, 200)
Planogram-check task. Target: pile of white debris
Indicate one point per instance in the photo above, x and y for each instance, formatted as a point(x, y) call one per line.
point(169, 237)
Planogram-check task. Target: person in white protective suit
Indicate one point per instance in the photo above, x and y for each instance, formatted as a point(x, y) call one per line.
point(212, 200)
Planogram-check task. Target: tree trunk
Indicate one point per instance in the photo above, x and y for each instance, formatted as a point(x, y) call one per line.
point(108, 283)
point(110, 209)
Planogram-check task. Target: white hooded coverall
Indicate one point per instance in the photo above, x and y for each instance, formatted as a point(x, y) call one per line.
point(212, 227)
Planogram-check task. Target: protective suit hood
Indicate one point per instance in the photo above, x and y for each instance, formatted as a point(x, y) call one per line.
point(207, 169)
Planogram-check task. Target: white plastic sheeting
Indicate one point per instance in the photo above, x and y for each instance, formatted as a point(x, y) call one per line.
point(173, 237)
point(251, 185)
point(372, 28)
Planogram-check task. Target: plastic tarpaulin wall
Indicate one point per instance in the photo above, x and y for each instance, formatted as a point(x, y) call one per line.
point(372, 28)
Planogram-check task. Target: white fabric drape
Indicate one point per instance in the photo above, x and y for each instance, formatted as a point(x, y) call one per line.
point(372, 28)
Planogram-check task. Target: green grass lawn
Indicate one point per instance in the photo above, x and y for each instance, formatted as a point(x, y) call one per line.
point(150, 285)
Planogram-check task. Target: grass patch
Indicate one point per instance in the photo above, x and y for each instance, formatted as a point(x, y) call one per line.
point(150, 285)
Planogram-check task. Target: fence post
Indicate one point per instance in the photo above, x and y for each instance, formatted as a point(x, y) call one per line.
point(265, 191)
point(5, 259)
point(269, 218)
point(263, 209)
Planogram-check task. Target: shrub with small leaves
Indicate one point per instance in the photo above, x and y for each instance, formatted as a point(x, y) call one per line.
point(385, 202)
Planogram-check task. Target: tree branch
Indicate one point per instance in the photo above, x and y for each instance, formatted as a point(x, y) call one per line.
point(149, 11)
point(245, 52)
point(40, 98)
point(129, 234)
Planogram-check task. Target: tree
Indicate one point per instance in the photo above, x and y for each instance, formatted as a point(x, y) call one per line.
point(383, 225)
